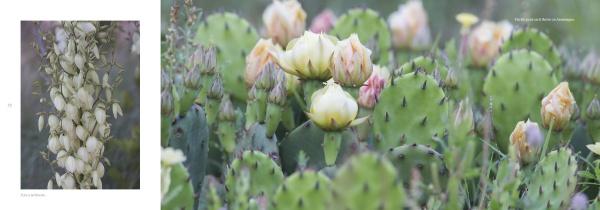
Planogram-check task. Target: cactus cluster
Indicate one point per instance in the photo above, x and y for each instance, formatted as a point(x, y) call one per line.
point(322, 124)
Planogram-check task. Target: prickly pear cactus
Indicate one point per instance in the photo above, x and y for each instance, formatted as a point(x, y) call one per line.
point(233, 38)
point(367, 182)
point(428, 64)
point(211, 195)
point(412, 110)
point(309, 139)
point(408, 159)
point(535, 40)
point(303, 190)
point(516, 84)
point(553, 182)
point(371, 29)
point(505, 190)
point(181, 192)
point(265, 174)
point(255, 138)
point(189, 133)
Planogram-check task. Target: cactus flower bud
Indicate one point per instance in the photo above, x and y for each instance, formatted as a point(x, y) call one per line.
point(166, 103)
point(332, 108)
point(284, 21)
point(466, 20)
point(216, 89)
point(595, 148)
point(590, 65)
point(368, 95)
point(226, 111)
point(558, 106)
point(309, 56)
point(323, 22)
point(266, 78)
point(278, 94)
point(593, 109)
point(351, 62)
point(170, 156)
point(451, 79)
point(485, 40)
point(527, 140)
point(209, 61)
point(192, 78)
point(258, 59)
point(409, 26)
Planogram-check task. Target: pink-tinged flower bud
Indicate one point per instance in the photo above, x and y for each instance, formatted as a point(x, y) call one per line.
point(351, 62)
point(527, 139)
point(409, 26)
point(485, 40)
point(368, 95)
point(284, 21)
point(323, 22)
point(309, 56)
point(579, 202)
point(558, 106)
point(261, 54)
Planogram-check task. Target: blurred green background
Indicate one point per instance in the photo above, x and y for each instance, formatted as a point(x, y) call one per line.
point(582, 33)
point(123, 151)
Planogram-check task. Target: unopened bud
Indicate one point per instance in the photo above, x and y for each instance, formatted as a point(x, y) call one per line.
point(216, 89)
point(593, 109)
point(226, 111)
point(265, 78)
point(278, 94)
point(557, 107)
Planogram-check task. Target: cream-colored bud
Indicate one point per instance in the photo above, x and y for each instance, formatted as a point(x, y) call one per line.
point(70, 165)
point(170, 156)
point(67, 125)
point(88, 121)
point(351, 62)
point(61, 158)
point(332, 108)
point(50, 185)
point(485, 40)
point(66, 142)
point(368, 94)
point(83, 154)
point(92, 144)
point(595, 148)
point(81, 132)
point(85, 99)
point(72, 112)
point(79, 61)
point(105, 83)
point(409, 26)
point(93, 76)
point(104, 130)
point(100, 114)
point(41, 123)
point(59, 102)
point(53, 144)
point(78, 80)
point(116, 108)
point(100, 170)
point(527, 140)
point(261, 54)
point(53, 122)
point(557, 107)
point(79, 165)
point(284, 21)
point(309, 56)
point(68, 182)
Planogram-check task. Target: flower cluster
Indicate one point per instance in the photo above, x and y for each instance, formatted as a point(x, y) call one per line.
point(78, 121)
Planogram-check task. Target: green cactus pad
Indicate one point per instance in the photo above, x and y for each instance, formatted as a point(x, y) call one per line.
point(408, 158)
point(265, 174)
point(505, 190)
point(369, 26)
point(553, 182)
point(181, 192)
point(367, 182)
point(303, 190)
point(211, 195)
point(255, 138)
point(233, 37)
point(413, 109)
point(517, 83)
point(535, 40)
point(189, 133)
point(428, 64)
point(309, 139)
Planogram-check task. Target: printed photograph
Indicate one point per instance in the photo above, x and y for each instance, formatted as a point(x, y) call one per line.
point(80, 105)
point(399, 104)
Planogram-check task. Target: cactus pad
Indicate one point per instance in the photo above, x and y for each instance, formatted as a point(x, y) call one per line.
point(553, 182)
point(181, 193)
point(428, 64)
point(233, 38)
point(303, 190)
point(369, 27)
point(255, 138)
point(516, 83)
point(413, 109)
point(367, 182)
point(535, 40)
point(265, 174)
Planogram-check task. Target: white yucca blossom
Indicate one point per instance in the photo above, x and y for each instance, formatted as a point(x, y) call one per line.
point(77, 118)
